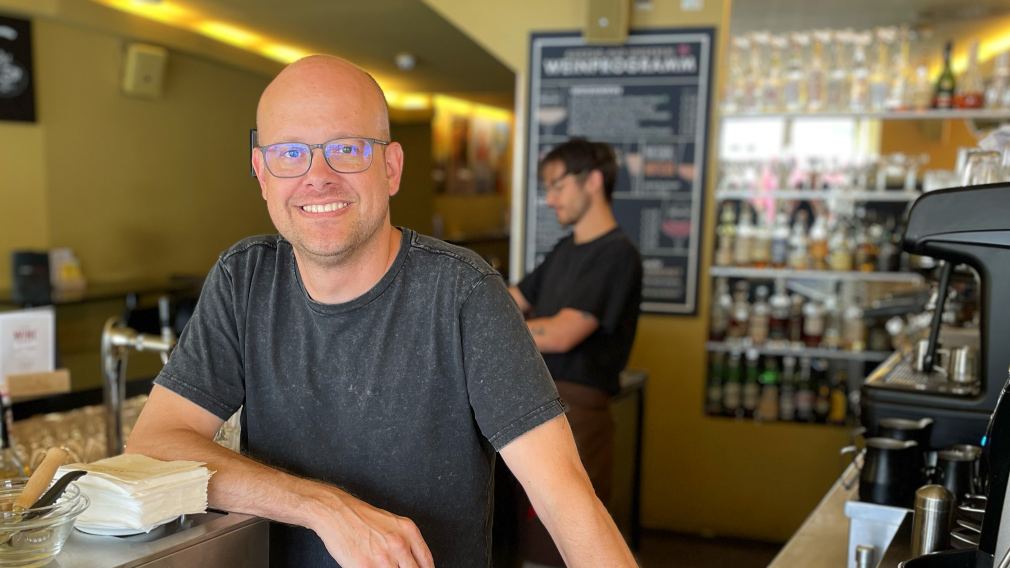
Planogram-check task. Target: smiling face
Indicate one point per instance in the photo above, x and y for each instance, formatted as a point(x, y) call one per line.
point(327, 216)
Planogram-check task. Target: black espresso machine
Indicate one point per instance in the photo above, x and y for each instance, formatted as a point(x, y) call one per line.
point(961, 226)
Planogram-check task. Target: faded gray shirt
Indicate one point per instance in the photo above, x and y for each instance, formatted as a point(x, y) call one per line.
point(400, 397)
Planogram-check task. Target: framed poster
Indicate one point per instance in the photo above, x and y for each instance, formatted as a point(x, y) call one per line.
point(17, 92)
point(650, 99)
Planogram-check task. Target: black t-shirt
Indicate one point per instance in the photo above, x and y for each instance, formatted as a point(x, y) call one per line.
point(604, 278)
point(400, 396)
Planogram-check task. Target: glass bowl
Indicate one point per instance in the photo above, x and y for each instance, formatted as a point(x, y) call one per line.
point(35, 541)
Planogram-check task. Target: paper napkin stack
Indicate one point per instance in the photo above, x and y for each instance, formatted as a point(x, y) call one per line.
point(132, 493)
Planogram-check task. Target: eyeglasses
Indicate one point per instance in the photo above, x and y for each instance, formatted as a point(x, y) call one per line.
point(343, 155)
point(555, 184)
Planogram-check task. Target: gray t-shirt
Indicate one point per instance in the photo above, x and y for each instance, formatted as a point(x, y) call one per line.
point(400, 397)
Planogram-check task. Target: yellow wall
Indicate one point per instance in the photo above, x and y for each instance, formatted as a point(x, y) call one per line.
point(701, 475)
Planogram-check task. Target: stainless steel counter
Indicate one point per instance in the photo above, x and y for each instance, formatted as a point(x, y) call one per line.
point(212, 539)
point(823, 538)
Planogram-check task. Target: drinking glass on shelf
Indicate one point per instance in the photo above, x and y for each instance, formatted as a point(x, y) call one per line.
point(981, 167)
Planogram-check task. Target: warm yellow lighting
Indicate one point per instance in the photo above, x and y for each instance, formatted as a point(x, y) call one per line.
point(166, 12)
point(453, 105)
point(283, 53)
point(228, 33)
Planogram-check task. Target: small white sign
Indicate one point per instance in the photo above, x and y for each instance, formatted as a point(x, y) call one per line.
point(692, 5)
point(27, 342)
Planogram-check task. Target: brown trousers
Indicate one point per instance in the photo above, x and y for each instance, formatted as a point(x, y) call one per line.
point(593, 428)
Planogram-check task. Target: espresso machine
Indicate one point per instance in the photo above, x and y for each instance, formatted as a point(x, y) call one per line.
point(969, 226)
point(961, 226)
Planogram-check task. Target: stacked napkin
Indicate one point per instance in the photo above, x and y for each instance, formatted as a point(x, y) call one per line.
point(132, 493)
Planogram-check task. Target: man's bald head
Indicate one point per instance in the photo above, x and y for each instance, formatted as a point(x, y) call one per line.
point(328, 82)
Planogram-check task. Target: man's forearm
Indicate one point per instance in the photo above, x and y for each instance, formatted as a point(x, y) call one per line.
point(239, 484)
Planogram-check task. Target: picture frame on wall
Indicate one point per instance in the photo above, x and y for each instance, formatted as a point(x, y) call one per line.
point(17, 85)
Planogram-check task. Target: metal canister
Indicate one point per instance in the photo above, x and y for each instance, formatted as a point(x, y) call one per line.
point(931, 519)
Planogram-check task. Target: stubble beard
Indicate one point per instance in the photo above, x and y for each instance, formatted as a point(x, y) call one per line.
point(332, 255)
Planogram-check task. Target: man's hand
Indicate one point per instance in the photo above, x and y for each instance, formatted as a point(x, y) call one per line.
point(358, 534)
point(355, 533)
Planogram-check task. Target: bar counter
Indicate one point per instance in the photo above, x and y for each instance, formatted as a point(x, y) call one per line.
point(211, 539)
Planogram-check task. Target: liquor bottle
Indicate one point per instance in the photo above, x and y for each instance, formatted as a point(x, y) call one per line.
point(760, 314)
point(837, 92)
point(853, 326)
point(840, 246)
point(744, 237)
point(899, 93)
point(822, 397)
point(880, 69)
point(997, 94)
point(943, 91)
point(713, 391)
point(768, 402)
point(751, 387)
point(726, 233)
point(805, 393)
point(859, 86)
point(970, 89)
point(722, 306)
point(813, 324)
point(794, 90)
point(871, 244)
point(817, 78)
point(832, 324)
point(778, 320)
point(761, 244)
point(772, 83)
point(921, 95)
point(787, 393)
point(731, 387)
point(888, 257)
point(798, 258)
point(780, 241)
point(817, 244)
point(796, 321)
point(11, 465)
point(839, 398)
point(739, 319)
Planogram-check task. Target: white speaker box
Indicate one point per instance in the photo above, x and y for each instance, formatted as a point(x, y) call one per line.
point(607, 21)
point(144, 70)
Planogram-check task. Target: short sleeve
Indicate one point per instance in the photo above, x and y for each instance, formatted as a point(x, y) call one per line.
point(509, 386)
point(606, 286)
point(206, 364)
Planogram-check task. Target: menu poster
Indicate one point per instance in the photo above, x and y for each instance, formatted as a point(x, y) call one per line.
point(648, 98)
point(17, 92)
point(27, 342)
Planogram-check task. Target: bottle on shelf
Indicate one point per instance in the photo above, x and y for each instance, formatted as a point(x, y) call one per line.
point(840, 247)
point(898, 95)
point(739, 320)
point(726, 234)
point(822, 397)
point(744, 237)
point(997, 94)
point(796, 321)
point(813, 324)
point(732, 387)
point(760, 315)
point(780, 241)
point(945, 87)
point(787, 393)
point(805, 394)
point(768, 402)
point(889, 255)
point(761, 244)
point(816, 75)
point(839, 405)
point(880, 69)
point(859, 86)
point(795, 82)
point(837, 91)
point(817, 244)
point(853, 326)
point(798, 258)
point(713, 391)
point(751, 389)
point(970, 89)
point(832, 338)
point(778, 318)
point(722, 306)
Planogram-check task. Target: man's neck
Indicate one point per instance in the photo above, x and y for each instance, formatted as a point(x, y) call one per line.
point(596, 222)
point(351, 277)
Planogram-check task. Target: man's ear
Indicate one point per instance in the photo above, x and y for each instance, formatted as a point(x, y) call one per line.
point(258, 168)
point(594, 182)
point(393, 162)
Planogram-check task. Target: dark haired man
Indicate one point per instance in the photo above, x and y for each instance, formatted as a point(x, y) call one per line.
point(582, 306)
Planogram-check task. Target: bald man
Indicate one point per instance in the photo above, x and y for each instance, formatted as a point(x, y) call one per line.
point(379, 370)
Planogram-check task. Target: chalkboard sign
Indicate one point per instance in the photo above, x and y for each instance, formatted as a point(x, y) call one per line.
point(648, 98)
point(17, 92)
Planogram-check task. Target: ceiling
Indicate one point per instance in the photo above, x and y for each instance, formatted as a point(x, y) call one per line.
point(371, 33)
point(789, 15)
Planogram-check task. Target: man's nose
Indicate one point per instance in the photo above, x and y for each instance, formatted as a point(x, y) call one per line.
point(320, 173)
